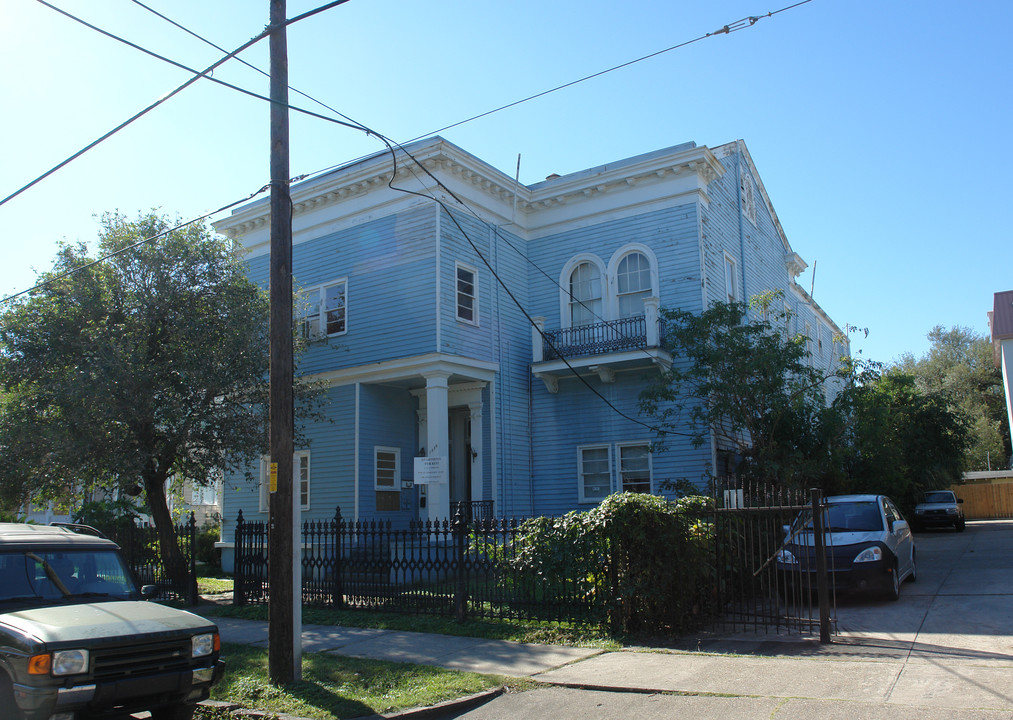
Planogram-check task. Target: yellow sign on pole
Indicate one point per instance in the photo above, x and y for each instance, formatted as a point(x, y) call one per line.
point(274, 477)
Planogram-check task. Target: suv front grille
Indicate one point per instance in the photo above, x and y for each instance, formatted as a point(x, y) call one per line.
point(142, 659)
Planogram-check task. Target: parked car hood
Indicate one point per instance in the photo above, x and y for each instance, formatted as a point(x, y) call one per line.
point(840, 538)
point(66, 623)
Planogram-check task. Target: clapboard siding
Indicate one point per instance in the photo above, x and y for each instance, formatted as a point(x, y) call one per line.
point(388, 419)
point(400, 262)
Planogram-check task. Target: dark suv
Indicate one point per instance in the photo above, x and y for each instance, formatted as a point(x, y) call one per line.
point(77, 641)
point(939, 508)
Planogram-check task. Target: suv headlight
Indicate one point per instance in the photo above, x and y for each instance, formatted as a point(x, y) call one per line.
point(204, 645)
point(70, 662)
point(870, 554)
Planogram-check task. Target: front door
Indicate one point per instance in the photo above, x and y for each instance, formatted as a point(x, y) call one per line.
point(460, 455)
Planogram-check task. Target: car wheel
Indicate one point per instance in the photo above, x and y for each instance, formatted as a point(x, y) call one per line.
point(960, 525)
point(8, 709)
point(181, 711)
point(893, 589)
point(914, 569)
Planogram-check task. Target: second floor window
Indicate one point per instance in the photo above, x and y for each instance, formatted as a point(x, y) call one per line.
point(322, 310)
point(731, 280)
point(633, 284)
point(585, 295)
point(467, 294)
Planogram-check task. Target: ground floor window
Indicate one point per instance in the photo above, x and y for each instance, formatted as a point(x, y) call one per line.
point(635, 467)
point(386, 476)
point(594, 469)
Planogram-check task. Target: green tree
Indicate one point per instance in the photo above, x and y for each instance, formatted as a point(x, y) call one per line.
point(959, 366)
point(904, 441)
point(128, 372)
point(751, 384)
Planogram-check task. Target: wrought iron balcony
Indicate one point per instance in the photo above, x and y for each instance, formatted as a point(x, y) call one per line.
point(597, 339)
point(602, 348)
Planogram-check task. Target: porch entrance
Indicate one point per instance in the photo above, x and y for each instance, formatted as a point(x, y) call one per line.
point(460, 455)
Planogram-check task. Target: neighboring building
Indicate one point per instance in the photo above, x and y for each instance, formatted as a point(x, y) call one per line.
point(1000, 322)
point(427, 324)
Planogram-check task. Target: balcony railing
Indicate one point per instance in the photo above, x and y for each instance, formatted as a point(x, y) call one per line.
point(613, 336)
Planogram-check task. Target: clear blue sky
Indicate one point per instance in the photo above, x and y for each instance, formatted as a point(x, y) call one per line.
point(879, 127)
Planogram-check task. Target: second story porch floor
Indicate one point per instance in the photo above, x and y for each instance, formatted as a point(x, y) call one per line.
point(599, 348)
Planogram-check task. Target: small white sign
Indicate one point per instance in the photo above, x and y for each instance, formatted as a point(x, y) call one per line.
point(430, 470)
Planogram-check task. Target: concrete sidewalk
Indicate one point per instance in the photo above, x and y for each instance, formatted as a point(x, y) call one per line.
point(945, 650)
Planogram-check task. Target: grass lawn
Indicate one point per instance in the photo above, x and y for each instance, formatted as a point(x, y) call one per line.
point(334, 686)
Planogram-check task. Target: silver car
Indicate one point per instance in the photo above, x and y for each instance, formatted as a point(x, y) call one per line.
point(869, 547)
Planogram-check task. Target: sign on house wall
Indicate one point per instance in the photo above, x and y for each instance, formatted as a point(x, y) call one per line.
point(430, 470)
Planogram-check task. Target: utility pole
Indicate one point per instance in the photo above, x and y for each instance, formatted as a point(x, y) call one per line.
point(284, 557)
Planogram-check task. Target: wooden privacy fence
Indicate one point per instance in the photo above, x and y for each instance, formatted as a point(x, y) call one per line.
point(982, 502)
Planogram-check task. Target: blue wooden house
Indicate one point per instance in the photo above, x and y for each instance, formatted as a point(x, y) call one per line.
point(488, 346)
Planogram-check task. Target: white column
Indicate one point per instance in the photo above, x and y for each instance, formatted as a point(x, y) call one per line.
point(537, 346)
point(651, 320)
point(438, 442)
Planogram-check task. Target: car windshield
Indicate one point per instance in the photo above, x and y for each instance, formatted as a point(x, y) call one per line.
point(859, 516)
point(939, 497)
point(58, 575)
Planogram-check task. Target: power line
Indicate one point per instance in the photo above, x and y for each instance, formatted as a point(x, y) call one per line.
point(389, 143)
point(732, 27)
point(164, 98)
point(139, 243)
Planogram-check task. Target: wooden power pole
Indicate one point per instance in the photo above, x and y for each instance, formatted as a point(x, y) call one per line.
point(284, 557)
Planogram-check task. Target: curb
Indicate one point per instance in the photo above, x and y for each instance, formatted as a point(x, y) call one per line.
point(421, 713)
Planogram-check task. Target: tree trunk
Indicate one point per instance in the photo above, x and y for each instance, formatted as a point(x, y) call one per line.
point(176, 567)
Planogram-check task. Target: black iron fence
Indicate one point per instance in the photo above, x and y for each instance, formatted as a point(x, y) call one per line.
point(143, 554)
point(478, 567)
point(756, 589)
point(451, 568)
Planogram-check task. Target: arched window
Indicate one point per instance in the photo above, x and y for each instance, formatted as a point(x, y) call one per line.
point(633, 284)
point(585, 295)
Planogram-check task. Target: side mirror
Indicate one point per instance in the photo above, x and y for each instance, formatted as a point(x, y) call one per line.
point(960, 500)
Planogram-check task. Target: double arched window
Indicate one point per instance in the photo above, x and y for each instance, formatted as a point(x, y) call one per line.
point(592, 292)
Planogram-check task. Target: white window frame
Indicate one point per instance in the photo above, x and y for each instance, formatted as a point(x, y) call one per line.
point(565, 300)
point(458, 267)
point(613, 274)
point(396, 479)
point(620, 486)
point(731, 279)
point(581, 496)
point(319, 321)
point(649, 289)
point(300, 485)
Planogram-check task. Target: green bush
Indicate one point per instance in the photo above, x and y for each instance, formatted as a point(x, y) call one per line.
point(207, 553)
point(643, 563)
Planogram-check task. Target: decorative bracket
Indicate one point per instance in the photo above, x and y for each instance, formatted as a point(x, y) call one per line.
point(605, 373)
point(551, 382)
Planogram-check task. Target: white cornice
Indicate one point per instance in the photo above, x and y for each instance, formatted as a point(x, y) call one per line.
point(360, 192)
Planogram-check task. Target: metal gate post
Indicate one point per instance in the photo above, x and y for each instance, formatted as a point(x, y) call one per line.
point(822, 584)
point(459, 530)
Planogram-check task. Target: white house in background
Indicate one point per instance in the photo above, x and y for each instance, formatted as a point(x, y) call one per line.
point(1000, 322)
point(496, 350)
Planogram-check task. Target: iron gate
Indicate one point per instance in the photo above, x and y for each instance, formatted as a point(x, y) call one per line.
point(755, 588)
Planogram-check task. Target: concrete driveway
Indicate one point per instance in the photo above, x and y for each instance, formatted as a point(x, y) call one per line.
point(944, 650)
